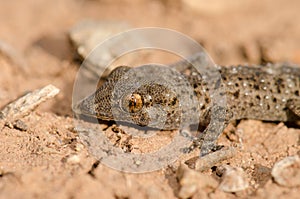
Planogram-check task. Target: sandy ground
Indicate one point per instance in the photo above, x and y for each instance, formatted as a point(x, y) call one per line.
point(49, 160)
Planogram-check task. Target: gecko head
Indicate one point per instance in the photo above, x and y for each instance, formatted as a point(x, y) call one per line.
point(99, 104)
point(144, 96)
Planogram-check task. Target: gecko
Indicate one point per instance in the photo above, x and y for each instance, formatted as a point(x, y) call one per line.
point(268, 93)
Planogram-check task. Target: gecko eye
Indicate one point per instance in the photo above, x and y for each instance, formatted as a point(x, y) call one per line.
point(133, 103)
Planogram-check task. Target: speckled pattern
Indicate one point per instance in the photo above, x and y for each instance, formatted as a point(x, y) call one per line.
point(269, 93)
point(263, 92)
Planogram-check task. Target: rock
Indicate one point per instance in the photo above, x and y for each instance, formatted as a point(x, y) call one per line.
point(286, 172)
point(88, 37)
point(72, 159)
point(20, 125)
point(191, 182)
point(234, 179)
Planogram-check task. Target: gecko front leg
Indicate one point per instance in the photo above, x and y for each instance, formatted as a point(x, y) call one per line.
point(206, 141)
point(220, 117)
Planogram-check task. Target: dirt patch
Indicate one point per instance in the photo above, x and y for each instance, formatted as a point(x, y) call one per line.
point(48, 160)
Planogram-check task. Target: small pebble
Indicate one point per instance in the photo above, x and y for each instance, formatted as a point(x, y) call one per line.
point(191, 181)
point(79, 147)
point(286, 172)
point(234, 179)
point(73, 159)
point(20, 125)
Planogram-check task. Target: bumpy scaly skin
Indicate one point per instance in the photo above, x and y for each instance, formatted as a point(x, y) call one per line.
point(269, 93)
point(153, 101)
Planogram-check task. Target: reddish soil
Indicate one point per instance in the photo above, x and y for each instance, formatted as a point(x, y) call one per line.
point(49, 160)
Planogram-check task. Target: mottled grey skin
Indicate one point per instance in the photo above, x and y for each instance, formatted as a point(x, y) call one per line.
point(269, 93)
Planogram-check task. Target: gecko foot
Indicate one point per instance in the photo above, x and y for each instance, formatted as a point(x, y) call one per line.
point(192, 147)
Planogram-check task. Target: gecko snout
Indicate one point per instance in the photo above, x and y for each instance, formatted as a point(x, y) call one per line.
point(85, 107)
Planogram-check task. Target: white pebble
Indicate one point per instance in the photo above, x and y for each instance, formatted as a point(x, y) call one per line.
point(233, 180)
point(286, 172)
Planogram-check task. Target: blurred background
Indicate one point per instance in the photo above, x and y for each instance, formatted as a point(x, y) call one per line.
point(44, 41)
point(232, 31)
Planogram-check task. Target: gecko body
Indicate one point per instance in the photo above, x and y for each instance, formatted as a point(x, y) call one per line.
point(269, 93)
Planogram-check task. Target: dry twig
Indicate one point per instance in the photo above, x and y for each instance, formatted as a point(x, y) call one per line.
point(25, 104)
